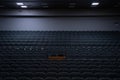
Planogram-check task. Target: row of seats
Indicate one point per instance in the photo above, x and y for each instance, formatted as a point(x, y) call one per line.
point(61, 78)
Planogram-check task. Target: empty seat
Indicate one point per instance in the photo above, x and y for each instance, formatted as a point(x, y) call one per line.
point(38, 74)
point(77, 78)
point(64, 78)
point(37, 78)
point(75, 74)
point(91, 78)
point(51, 74)
point(63, 74)
point(10, 78)
point(24, 78)
point(50, 78)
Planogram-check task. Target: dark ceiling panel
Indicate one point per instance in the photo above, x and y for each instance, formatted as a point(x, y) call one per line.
point(58, 4)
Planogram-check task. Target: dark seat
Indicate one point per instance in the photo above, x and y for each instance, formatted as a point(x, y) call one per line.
point(24, 78)
point(50, 78)
point(10, 78)
point(64, 78)
point(77, 78)
point(91, 78)
point(37, 78)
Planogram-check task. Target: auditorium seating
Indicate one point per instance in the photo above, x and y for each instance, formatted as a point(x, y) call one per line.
point(83, 55)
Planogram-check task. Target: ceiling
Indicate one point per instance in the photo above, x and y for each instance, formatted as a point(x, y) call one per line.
point(61, 4)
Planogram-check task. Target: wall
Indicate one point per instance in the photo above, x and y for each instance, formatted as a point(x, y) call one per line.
point(52, 22)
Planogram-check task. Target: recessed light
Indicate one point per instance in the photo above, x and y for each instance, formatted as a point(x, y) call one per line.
point(20, 4)
point(95, 3)
point(24, 6)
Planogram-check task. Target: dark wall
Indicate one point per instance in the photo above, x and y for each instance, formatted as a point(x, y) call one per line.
point(60, 23)
point(87, 21)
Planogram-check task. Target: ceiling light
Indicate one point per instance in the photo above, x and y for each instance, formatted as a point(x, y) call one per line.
point(20, 4)
point(95, 3)
point(24, 6)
